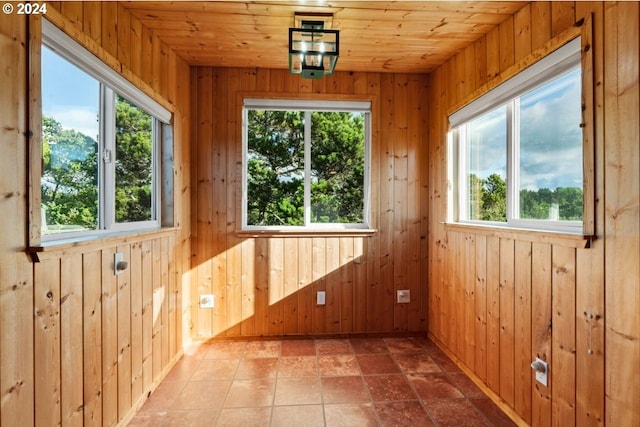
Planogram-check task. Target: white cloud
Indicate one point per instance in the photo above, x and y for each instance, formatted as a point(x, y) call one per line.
point(84, 120)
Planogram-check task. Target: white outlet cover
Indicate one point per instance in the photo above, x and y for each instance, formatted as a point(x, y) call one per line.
point(321, 298)
point(207, 301)
point(404, 296)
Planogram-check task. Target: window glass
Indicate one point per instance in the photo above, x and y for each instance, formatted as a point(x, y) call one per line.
point(134, 163)
point(101, 135)
point(70, 135)
point(550, 151)
point(275, 169)
point(337, 167)
point(305, 165)
point(517, 150)
point(486, 139)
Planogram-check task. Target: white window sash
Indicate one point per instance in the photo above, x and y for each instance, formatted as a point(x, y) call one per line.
point(307, 106)
point(556, 63)
point(110, 83)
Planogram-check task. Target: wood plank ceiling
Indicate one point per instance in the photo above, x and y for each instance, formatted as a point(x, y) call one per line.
point(377, 36)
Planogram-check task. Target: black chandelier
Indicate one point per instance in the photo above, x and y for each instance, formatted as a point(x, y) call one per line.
point(313, 48)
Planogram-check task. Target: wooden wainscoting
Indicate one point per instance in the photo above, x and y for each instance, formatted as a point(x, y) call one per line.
point(103, 341)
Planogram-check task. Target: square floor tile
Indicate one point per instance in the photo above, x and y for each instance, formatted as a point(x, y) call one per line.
point(416, 363)
point(202, 394)
point(191, 418)
point(434, 386)
point(148, 419)
point(408, 413)
point(444, 362)
point(262, 349)
point(298, 366)
point(164, 396)
point(492, 412)
point(368, 345)
point(296, 416)
point(212, 369)
point(257, 368)
point(350, 415)
point(389, 387)
point(298, 348)
point(344, 390)
point(183, 369)
point(455, 413)
point(338, 366)
point(225, 350)
point(375, 364)
point(244, 417)
point(333, 347)
point(250, 393)
point(466, 386)
point(298, 391)
point(403, 345)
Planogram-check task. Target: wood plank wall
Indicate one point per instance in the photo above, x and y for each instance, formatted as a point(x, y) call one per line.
point(531, 297)
point(267, 286)
point(80, 345)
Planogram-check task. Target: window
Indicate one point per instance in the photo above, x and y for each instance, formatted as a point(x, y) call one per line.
point(305, 164)
point(100, 145)
point(519, 148)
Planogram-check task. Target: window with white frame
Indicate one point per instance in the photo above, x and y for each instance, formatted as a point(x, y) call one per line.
point(101, 140)
point(517, 151)
point(305, 164)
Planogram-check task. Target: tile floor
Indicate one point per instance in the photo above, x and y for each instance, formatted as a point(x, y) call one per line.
point(325, 382)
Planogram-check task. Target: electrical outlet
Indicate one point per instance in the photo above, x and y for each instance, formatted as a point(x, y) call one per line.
point(404, 296)
point(207, 301)
point(542, 371)
point(321, 298)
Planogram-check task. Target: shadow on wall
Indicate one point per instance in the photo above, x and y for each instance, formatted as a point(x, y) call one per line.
point(269, 286)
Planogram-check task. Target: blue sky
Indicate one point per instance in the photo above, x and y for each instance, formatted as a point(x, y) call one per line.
point(69, 94)
point(550, 137)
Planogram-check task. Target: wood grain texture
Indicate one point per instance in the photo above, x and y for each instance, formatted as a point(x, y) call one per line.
point(622, 208)
point(409, 37)
point(74, 347)
point(360, 285)
point(16, 273)
point(560, 284)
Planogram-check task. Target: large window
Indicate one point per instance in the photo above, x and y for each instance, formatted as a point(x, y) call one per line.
point(305, 164)
point(100, 145)
point(519, 148)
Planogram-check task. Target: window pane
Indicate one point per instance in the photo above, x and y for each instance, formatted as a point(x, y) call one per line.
point(134, 163)
point(337, 167)
point(275, 169)
point(70, 127)
point(486, 169)
point(551, 151)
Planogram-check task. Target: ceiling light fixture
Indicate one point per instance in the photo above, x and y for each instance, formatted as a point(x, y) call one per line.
point(313, 47)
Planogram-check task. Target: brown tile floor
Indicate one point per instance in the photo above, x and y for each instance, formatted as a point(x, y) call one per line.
point(326, 382)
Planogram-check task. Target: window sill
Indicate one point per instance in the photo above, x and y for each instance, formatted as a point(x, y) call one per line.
point(357, 232)
point(574, 240)
point(88, 243)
